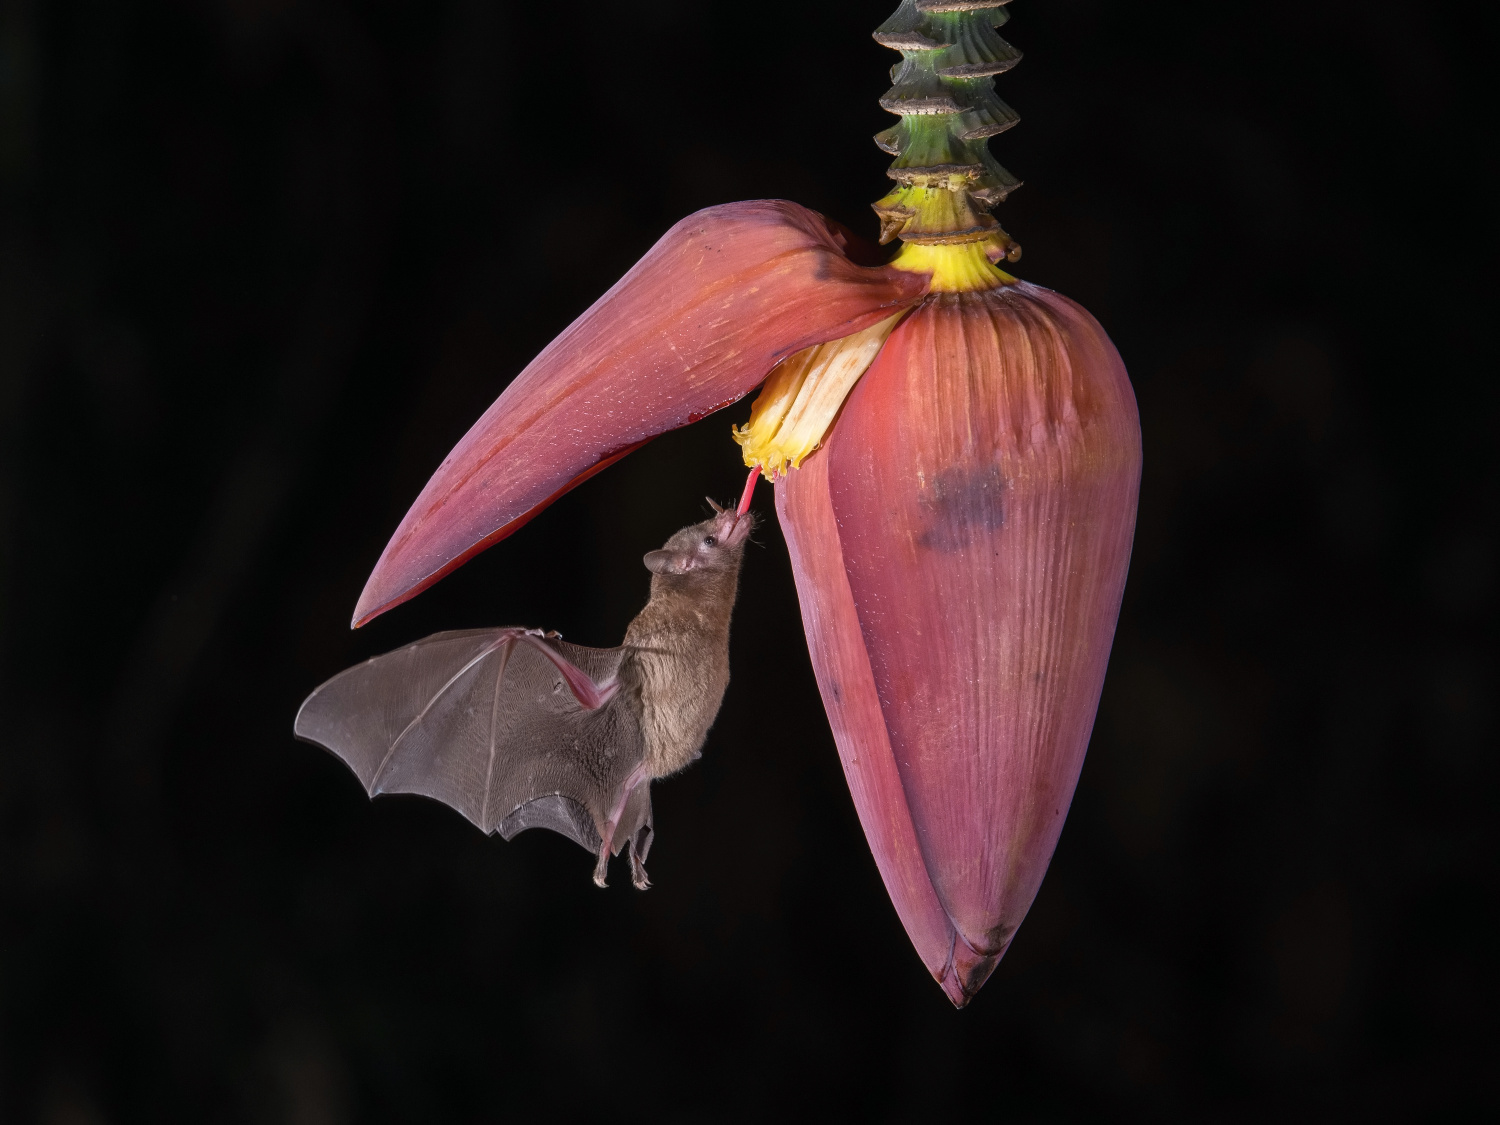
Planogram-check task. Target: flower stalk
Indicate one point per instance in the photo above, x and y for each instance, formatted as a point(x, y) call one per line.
point(946, 179)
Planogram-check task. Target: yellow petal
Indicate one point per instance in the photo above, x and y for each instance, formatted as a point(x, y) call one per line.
point(802, 396)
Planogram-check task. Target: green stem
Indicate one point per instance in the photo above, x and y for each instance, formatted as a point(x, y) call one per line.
point(944, 93)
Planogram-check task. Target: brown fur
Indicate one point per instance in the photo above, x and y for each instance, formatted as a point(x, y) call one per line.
point(679, 659)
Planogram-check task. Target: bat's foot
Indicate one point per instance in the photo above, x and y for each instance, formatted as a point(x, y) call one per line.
point(640, 844)
point(601, 866)
point(638, 873)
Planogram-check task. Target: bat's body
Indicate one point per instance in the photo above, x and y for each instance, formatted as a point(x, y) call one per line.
point(517, 729)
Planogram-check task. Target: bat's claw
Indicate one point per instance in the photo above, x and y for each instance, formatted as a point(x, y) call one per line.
point(640, 844)
point(601, 866)
point(638, 857)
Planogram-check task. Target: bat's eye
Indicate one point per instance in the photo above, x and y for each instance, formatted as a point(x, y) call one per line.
point(710, 542)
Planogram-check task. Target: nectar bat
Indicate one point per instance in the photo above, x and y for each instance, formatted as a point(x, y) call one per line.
point(516, 728)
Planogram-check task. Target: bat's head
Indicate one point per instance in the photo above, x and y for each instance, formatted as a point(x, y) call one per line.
point(714, 546)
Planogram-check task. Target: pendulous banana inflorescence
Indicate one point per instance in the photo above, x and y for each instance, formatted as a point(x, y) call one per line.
point(956, 455)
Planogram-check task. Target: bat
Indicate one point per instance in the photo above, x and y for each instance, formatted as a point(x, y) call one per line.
point(516, 728)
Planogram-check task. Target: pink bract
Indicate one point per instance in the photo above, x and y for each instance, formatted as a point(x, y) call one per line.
point(695, 325)
point(960, 546)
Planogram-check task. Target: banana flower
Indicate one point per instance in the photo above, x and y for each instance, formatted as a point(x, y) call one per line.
point(956, 457)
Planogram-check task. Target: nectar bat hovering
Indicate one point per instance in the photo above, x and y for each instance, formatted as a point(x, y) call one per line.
point(516, 728)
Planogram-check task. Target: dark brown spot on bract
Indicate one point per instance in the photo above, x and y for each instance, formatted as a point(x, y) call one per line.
point(961, 503)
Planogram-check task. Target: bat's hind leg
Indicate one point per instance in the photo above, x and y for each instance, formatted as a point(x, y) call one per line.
point(635, 800)
point(640, 844)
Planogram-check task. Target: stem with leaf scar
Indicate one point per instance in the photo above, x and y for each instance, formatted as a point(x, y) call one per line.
point(946, 179)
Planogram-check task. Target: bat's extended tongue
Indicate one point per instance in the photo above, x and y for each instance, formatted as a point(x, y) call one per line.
point(749, 492)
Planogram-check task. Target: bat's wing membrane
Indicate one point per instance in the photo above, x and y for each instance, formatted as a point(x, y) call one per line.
point(487, 721)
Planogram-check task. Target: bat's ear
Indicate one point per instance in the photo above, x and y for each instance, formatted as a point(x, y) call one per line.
point(669, 562)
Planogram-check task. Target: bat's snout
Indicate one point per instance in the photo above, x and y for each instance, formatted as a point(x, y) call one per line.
point(735, 528)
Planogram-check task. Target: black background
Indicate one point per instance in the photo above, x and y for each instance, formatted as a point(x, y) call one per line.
point(263, 263)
